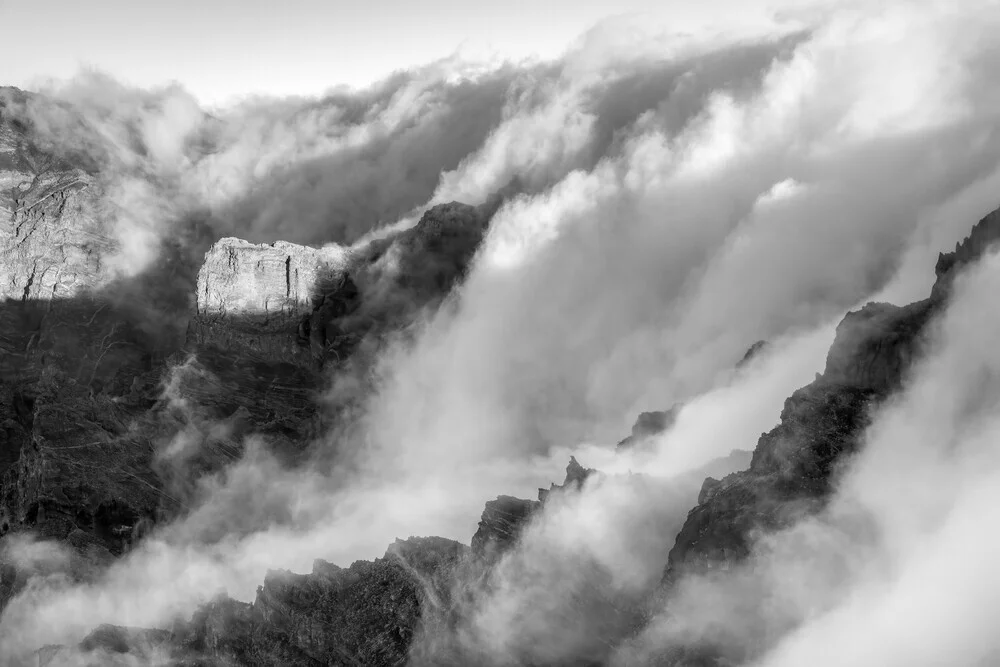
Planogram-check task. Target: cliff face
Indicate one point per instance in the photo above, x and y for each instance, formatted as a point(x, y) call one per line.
point(648, 424)
point(54, 233)
point(76, 367)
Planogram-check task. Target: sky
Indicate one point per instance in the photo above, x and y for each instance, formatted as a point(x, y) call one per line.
point(224, 49)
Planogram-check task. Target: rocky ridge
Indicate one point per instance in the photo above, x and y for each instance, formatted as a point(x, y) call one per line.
point(795, 465)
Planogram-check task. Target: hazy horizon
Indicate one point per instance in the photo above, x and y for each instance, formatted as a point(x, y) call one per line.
point(222, 50)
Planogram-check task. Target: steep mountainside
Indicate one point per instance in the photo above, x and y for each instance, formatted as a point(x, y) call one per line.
point(99, 374)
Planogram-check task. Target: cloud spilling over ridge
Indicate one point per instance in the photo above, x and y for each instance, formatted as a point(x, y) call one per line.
point(331, 169)
point(898, 570)
point(635, 284)
point(763, 216)
point(671, 212)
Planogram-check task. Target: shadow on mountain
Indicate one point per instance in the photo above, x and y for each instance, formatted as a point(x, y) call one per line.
point(115, 402)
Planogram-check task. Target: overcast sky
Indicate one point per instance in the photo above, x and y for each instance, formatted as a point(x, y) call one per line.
point(224, 48)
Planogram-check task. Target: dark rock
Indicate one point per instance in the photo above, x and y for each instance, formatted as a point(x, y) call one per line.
point(875, 345)
point(505, 518)
point(576, 474)
point(981, 240)
point(754, 351)
point(366, 614)
point(649, 424)
point(501, 524)
point(709, 487)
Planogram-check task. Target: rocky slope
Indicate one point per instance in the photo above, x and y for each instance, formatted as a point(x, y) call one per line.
point(100, 374)
point(795, 464)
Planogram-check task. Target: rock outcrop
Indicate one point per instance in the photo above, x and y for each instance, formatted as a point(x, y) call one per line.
point(649, 424)
point(502, 523)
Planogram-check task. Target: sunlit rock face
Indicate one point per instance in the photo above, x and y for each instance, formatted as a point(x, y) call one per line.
point(265, 280)
point(54, 233)
point(649, 424)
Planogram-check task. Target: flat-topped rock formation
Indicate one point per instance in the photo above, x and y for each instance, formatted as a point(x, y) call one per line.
point(267, 281)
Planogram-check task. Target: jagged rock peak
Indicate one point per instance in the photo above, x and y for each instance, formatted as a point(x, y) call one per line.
point(753, 352)
point(280, 278)
point(576, 473)
point(503, 519)
point(875, 345)
point(981, 239)
point(501, 524)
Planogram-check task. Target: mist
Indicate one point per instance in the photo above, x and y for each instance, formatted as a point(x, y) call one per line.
point(666, 203)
